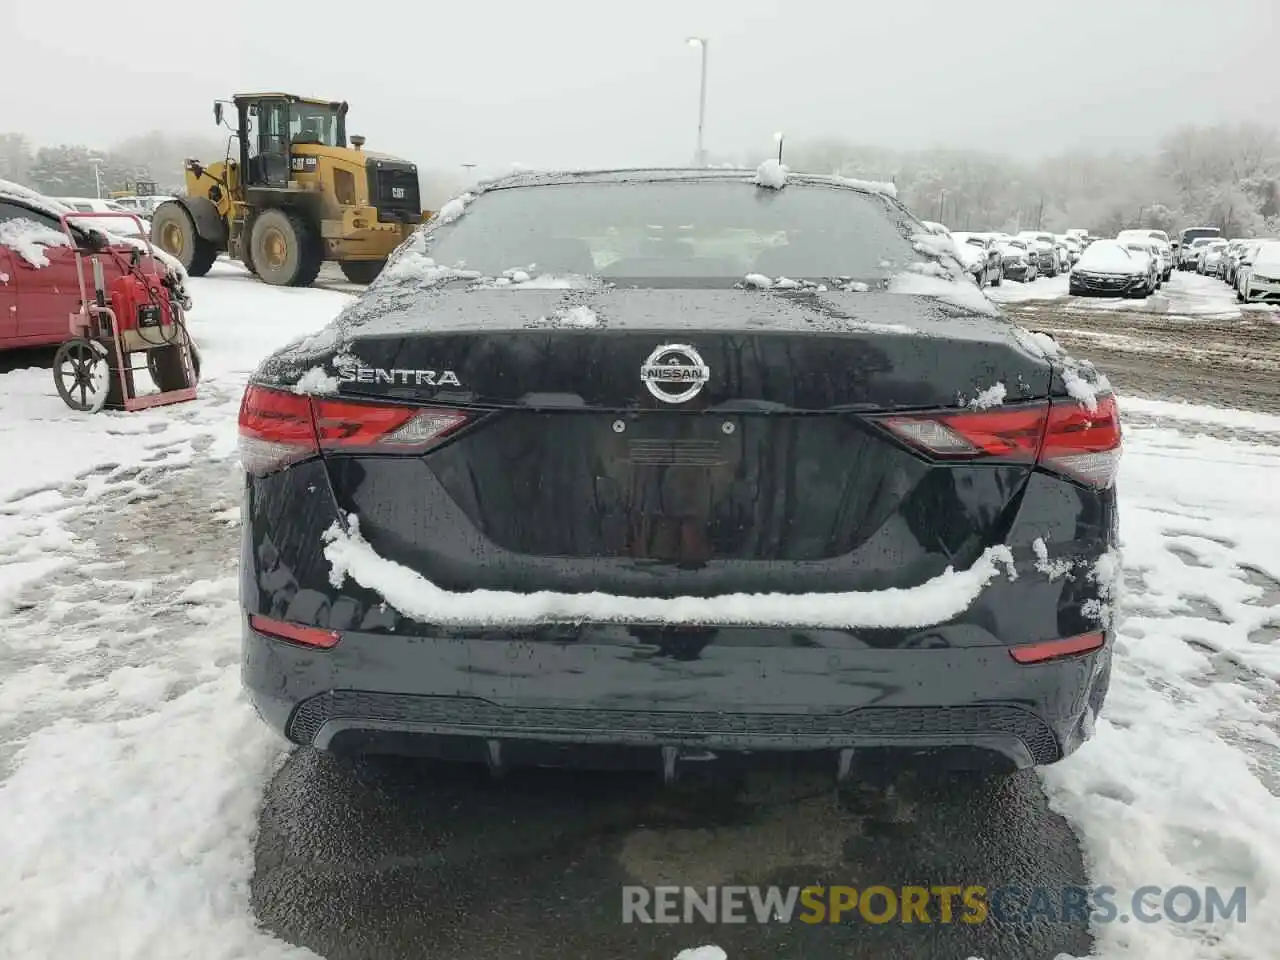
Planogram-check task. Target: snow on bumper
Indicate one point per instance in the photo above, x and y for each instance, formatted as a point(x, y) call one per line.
point(935, 601)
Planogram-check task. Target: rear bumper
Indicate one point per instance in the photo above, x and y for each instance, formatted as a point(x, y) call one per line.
point(720, 691)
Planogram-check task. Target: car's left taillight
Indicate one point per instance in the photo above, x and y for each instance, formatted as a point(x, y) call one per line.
point(279, 428)
point(1062, 436)
point(276, 430)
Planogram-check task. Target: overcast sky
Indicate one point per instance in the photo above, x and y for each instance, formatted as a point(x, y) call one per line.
point(577, 83)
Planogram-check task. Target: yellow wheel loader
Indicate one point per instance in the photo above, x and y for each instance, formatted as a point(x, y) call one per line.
point(293, 195)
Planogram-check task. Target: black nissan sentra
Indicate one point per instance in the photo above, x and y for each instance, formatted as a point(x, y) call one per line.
point(652, 467)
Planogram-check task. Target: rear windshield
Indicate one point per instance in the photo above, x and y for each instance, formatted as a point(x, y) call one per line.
point(714, 231)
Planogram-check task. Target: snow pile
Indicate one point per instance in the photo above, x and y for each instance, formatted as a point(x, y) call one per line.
point(709, 952)
point(1181, 784)
point(415, 267)
point(29, 239)
point(771, 174)
point(993, 396)
point(581, 317)
point(527, 280)
point(758, 280)
point(452, 210)
point(934, 601)
point(960, 293)
point(1053, 569)
point(316, 381)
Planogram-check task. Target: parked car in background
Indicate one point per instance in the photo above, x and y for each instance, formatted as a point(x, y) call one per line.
point(1108, 268)
point(124, 228)
point(1210, 261)
point(1074, 247)
point(1182, 249)
point(1189, 255)
point(143, 206)
point(1146, 251)
point(1260, 272)
point(1166, 260)
point(1231, 260)
point(981, 256)
point(1017, 262)
point(1045, 248)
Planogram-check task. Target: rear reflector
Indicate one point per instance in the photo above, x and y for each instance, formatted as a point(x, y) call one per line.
point(1061, 436)
point(278, 428)
point(295, 632)
point(1057, 649)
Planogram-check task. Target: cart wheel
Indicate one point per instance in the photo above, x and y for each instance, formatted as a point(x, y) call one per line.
point(82, 375)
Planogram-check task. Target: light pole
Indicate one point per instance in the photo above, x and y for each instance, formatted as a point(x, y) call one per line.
point(778, 136)
point(701, 44)
point(97, 175)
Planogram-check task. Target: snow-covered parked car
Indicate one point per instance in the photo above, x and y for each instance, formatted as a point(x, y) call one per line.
point(125, 228)
point(1210, 261)
point(981, 256)
point(1260, 281)
point(1148, 251)
point(1018, 263)
point(39, 286)
point(1109, 268)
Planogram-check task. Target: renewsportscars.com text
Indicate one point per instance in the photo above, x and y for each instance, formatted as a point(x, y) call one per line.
point(970, 904)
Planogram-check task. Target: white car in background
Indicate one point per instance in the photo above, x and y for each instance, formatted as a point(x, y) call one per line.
point(1146, 251)
point(1110, 268)
point(1211, 258)
point(122, 228)
point(142, 206)
point(1163, 247)
point(1258, 275)
point(1189, 255)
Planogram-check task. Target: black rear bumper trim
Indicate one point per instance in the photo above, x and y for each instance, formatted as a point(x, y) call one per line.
point(1018, 732)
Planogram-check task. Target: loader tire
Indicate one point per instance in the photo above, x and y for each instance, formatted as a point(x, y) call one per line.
point(284, 249)
point(362, 271)
point(174, 232)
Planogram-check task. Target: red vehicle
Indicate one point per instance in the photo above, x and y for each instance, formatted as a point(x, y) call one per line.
point(39, 286)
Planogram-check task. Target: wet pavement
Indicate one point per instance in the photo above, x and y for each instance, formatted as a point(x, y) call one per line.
point(396, 859)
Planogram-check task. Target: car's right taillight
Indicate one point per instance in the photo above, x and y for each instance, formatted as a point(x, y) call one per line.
point(1063, 436)
point(279, 428)
point(1082, 443)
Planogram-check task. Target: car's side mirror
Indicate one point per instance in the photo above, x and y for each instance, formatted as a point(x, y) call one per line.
point(217, 113)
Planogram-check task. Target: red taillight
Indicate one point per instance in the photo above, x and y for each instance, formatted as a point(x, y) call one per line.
point(1009, 434)
point(278, 428)
point(1083, 443)
point(344, 425)
point(295, 632)
point(1057, 649)
point(275, 429)
point(1064, 436)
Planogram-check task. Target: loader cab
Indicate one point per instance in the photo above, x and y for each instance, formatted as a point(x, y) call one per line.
point(268, 126)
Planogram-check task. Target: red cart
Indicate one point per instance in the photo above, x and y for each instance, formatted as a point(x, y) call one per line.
point(139, 311)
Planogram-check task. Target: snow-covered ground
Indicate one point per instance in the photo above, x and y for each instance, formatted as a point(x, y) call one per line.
point(132, 768)
point(1185, 295)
